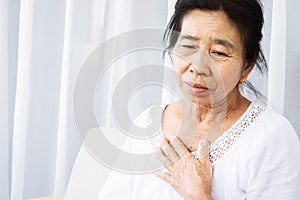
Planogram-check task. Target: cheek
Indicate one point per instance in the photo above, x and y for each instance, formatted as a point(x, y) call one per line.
point(229, 79)
point(180, 65)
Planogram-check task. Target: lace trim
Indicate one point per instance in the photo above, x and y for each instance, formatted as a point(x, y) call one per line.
point(232, 135)
point(229, 138)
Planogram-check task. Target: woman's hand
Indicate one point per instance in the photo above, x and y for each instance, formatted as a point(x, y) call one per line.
point(190, 177)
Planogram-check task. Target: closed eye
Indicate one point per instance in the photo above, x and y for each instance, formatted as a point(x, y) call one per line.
point(219, 53)
point(189, 46)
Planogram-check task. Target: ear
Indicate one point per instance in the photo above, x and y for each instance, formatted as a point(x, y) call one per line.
point(246, 71)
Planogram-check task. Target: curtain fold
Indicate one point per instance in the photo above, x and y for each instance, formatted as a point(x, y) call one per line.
point(40, 44)
point(9, 17)
point(22, 100)
point(4, 119)
point(277, 60)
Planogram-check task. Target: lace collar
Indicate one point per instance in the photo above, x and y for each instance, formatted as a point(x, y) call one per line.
point(229, 137)
point(233, 134)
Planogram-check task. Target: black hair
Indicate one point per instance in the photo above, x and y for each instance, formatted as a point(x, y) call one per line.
point(246, 15)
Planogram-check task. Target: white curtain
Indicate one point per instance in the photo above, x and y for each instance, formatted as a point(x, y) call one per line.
point(292, 63)
point(43, 45)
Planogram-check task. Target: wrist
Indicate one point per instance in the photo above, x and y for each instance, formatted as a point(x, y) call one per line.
point(207, 197)
point(202, 197)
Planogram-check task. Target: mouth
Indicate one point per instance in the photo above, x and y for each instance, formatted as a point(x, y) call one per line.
point(196, 88)
point(196, 85)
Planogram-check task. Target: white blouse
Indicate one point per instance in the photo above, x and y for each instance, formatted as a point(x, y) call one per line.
point(257, 158)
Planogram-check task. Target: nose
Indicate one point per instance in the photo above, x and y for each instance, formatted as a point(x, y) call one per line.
point(200, 63)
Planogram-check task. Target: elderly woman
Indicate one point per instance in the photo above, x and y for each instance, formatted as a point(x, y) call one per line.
point(217, 144)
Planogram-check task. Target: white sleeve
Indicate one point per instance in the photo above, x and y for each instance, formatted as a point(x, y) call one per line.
point(117, 187)
point(275, 171)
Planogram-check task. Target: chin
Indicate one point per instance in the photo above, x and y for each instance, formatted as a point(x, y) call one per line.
point(205, 101)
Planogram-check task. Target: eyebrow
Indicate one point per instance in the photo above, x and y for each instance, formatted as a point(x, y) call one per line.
point(222, 42)
point(189, 37)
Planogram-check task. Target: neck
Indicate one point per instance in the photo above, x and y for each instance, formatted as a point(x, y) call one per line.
point(222, 110)
point(222, 115)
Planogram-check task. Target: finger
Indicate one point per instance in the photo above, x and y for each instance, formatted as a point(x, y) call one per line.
point(178, 146)
point(203, 149)
point(163, 159)
point(164, 176)
point(163, 142)
point(170, 153)
point(203, 156)
point(168, 150)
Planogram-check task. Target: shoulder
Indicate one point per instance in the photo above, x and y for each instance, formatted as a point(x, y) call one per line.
point(272, 124)
point(271, 133)
point(271, 148)
point(173, 109)
point(171, 118)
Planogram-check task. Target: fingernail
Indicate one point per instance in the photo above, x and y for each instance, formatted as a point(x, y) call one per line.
point(157, 148)
point(205, 142)
point(163, 142)
point(203, 148)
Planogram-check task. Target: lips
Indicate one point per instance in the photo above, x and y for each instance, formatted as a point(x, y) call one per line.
point(196, 88)
point(196, 85)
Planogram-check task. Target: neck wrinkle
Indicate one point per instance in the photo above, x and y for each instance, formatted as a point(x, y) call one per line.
point(222, 109)
point(219, 115)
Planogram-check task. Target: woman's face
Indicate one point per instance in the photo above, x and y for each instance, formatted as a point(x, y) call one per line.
point(208, 57)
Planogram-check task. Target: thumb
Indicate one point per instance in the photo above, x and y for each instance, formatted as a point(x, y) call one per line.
point(203, 149)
